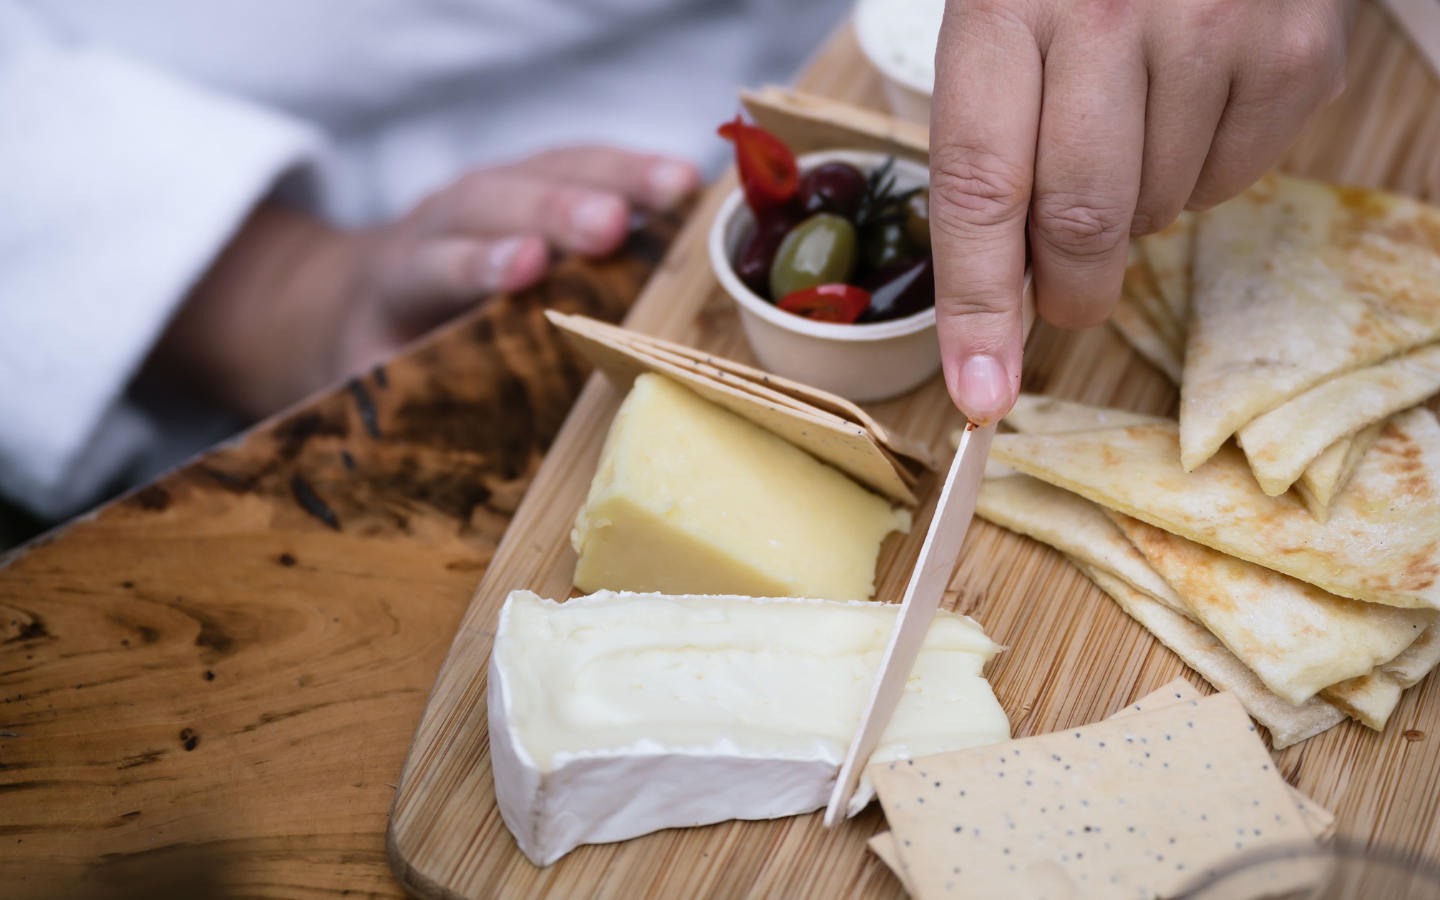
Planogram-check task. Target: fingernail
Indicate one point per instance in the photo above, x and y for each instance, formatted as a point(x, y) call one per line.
point(593, 222)
point(495, 263)
point(669, 182)
point(984, 389)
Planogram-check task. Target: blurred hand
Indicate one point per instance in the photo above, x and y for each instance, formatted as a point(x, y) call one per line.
point(1081, 122)
point(292, 305)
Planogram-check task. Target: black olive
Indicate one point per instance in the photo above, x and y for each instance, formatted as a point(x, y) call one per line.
point(902, 289)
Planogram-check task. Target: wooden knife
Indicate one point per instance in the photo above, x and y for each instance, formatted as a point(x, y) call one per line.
point(922, 597)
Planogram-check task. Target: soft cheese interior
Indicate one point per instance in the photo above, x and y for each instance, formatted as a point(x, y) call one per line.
point(615, 715)
point(691, 498)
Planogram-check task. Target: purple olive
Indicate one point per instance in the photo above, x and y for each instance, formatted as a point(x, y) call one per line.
point(757, 249)
point(900, 290)
point(834, 187)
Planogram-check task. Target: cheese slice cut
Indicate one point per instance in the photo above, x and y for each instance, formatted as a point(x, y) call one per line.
point(691, 498)
point(615, 715)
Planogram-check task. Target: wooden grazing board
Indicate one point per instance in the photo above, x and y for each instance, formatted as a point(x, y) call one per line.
point(1072, 657)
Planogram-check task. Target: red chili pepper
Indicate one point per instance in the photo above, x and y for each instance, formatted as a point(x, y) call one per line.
point(828, 303)
point(767, 167)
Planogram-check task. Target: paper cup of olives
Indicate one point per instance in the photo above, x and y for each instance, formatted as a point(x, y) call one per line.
point(835, 284)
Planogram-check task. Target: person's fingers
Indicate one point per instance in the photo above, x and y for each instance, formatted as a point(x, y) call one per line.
point(982, 145)
point(1189, 85)
point(1087, 169)
point(1300, 67)
point(656, 181)
point(434, 279)
point(501, 201)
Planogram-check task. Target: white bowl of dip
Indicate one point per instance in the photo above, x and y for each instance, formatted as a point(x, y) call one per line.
point(899, 39)
point(859, 362)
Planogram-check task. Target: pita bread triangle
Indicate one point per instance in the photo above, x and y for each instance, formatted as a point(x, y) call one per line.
point(1296, 637)
point(1170, 253)
point(1084, 532)
point(1144, 339)
point(1281, 443)
point(1140, 289)
point(1295, 282)
point(1324, 478)
point(1202, 651)
point(1381, 543)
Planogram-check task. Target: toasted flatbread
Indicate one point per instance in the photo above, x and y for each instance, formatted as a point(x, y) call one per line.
point(1170, 253)
point(1145, 340)
point(1381, 543)
point(1202, 651)
point(1281, 443)
point(1327, 476)
point(1297, 638)
point(1296, 282)
point(1072, 525)
point(1370, 699)
point(1140, 288)
point(1038, 414)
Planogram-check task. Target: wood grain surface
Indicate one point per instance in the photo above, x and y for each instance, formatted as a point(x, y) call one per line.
point(208, 688)
point(1073, 656)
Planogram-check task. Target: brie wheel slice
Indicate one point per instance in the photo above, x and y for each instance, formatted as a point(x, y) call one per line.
point(690, 498)
point(615, 715)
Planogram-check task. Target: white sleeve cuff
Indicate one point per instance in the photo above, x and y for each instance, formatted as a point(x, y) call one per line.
point(119, 186)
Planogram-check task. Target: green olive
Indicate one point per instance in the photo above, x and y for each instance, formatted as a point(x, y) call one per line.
point(886, 244)
point(917, 218)
point(820, 250)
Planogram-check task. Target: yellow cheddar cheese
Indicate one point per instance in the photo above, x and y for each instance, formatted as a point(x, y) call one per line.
point(690, 498)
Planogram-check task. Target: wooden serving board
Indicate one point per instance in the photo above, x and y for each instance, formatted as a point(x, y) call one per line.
point(1073, 657)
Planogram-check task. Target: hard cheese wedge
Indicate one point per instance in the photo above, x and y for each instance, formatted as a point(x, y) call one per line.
point(1133, 807)
point(615, 715)
point(691, 498)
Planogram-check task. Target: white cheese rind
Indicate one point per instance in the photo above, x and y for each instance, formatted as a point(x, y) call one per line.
point(602, 794)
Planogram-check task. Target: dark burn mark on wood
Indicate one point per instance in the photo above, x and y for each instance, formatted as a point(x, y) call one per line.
point(501, 425)
point(286, 560)
point(141, 759)
point(189, 739)
point(455, 492)
point(311, 502)
point(153, 498)
point(209, 675)
point(31, 630)
point(363, 402)
point(223, 631)
point(234, 482)
point(147, 634)
point(292, 433)
point(127, 585)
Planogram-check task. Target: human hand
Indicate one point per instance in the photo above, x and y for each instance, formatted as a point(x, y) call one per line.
point(1081, 123)
point(292, 305)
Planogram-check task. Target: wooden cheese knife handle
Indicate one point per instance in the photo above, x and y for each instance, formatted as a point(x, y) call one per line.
point(922, 597)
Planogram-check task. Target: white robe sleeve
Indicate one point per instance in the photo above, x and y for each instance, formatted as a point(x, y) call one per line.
point(119, 184)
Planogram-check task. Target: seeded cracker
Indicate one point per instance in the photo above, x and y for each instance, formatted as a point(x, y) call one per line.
point(1134, 807)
